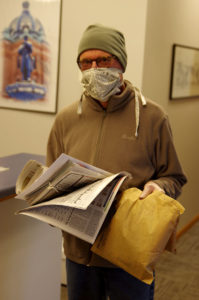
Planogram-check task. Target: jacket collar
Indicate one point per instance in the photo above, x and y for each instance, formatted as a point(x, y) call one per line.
point(115, 102)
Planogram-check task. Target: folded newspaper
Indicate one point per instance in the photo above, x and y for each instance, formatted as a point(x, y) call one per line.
point(71, 195)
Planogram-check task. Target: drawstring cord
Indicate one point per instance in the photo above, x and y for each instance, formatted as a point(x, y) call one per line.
point(137, 109)
point(79, 108)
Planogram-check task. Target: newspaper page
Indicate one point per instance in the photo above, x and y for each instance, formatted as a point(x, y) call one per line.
point(30, 173)
point(81, 213)
point(65, 174)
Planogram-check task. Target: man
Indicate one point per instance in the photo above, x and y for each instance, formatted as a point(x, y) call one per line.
point(112, 127)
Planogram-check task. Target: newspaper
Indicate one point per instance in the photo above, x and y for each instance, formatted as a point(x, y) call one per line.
point(82, 212)
point(64, 175)
point(72, 196)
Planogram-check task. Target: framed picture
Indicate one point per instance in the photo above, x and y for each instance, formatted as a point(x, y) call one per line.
point(184, 72)
point(29, 54)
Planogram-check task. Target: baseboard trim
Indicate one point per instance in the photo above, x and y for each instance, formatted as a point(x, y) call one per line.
point(187, 227)
point(7, 197)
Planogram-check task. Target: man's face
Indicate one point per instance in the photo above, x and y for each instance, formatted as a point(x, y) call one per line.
point(97, 59)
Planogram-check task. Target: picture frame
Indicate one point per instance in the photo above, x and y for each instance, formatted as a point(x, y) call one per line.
point(184, 82)
point(29, 54)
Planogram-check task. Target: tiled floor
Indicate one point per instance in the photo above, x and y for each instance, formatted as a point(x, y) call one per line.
point(177, 276)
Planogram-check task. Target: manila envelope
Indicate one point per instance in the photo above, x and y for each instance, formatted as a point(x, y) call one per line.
point(139, 232)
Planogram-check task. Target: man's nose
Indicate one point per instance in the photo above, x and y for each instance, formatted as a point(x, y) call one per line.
point(94, 64)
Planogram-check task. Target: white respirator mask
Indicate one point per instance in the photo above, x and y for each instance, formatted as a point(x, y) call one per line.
point(101, 83)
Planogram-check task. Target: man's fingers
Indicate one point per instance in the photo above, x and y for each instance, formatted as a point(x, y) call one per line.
point(149, 188)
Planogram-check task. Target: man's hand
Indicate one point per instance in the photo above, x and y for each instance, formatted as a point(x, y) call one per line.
point(149, 188)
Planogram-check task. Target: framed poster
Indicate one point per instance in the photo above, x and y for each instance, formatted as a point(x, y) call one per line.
point(29, 54)
point(184, 72)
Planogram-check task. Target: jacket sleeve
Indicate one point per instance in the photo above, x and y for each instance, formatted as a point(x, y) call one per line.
point(169, 174)
point(54, 145)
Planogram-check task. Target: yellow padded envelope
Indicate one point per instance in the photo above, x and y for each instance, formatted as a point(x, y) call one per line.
point(139, 232)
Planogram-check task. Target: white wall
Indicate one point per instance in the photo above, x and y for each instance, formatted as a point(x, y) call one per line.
point(28, 132)
point(169, 22)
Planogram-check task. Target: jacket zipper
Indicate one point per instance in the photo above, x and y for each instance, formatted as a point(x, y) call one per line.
point(96, 157)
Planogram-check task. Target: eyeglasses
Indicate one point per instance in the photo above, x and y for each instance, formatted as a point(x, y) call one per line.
point(102, 62)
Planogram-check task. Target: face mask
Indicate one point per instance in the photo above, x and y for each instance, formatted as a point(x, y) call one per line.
point(101, 83)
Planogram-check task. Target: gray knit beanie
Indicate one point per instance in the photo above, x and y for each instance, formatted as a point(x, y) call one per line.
point(106, 39)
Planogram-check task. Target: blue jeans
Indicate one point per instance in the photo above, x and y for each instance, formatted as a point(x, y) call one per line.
point(98, 283)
